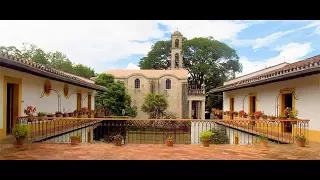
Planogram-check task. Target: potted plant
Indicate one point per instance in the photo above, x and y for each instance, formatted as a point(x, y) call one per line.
point(50, 115)
point(272, 117)
point(118, 139)
point(264, 117)
point(257, 114)
point(41, 115)
point(301, 140)
point(58, 114)
point(205, 137)
point(74, 139)
point(65, 114)
point(241, 113)
point(84, 112)
point(252, 117)
point(70, 114)
point(20, 132)
point(235, 113)
point(29, 111)
point(263, 140)
point(170, 140)
point(294, 116)
point(286, 112)
point(245, 115)
point(282, 117)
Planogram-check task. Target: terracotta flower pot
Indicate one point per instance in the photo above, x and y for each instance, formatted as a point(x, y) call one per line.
point(264, 143)
point(169, 143)
point(301, 143)
point(205, 143)
point(74, 141)
point(20, 140)
point(118, 141)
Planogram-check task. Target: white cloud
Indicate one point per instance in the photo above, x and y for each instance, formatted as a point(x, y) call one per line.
point(87, 42)
point(312, 24)
point(317, 31)
point(261, 42)
point(99, 43)
point(132, 66)
point(220, 30)
point(290, 53)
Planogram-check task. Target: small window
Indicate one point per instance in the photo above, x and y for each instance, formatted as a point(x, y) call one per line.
point(168, 84)
point(137, 83)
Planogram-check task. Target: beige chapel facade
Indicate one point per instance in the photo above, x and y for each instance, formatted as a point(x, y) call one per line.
point(183, 101)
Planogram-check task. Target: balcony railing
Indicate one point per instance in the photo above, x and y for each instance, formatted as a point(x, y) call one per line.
point(155, 131)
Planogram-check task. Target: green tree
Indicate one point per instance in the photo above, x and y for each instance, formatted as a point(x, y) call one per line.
point(56, 59)
point(155, 105)
point(208, 61)
point(115, 98)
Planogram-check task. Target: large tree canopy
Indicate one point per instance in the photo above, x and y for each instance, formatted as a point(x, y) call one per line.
point(208, 61)
point(56, 59)
point(115, 98)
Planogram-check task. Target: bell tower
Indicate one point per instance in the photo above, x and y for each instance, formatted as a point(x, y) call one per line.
point(176, 50)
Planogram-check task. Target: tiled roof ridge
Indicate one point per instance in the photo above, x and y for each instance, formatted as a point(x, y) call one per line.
point(296, 66)
point(42, 67)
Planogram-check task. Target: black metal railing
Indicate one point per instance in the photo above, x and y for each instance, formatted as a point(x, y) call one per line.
point(156, 131)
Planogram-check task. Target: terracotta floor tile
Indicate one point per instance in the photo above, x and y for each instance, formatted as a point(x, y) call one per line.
point(99, 151)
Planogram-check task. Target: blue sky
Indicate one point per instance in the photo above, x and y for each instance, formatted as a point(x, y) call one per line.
point(120, 44)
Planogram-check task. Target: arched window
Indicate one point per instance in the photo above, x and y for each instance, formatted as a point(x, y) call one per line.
point(176, 43)
point(176, 60)
point(137, 83)
point(168, 84)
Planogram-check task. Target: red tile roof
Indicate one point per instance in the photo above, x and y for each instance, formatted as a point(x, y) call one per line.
point(290, 68)
point(32, 64)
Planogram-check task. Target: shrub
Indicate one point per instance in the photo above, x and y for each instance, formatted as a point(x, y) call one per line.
point(220, 136)
point(206, 135)
point(20, 131)
point(170, 115)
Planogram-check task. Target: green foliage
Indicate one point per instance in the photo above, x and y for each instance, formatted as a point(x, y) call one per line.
point(74, 137)
point(115, 98)
point(263, 137)
point(131, 111)
point(104, 79)
point(220, 136)
point(170, 138)
point(20, 131)
point(170, 115)
point(57, 59)
point(41, 114)
point(208, 61)
point(154, 105)
point(206, 135)
point(300, 137)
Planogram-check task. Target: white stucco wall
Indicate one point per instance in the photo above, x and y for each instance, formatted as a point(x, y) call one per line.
point(65, 138)
point(307, 90)
point(32, 87)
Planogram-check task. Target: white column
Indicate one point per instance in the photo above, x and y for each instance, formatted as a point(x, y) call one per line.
point(203, 110)
point(190, 109)
point(199, 109)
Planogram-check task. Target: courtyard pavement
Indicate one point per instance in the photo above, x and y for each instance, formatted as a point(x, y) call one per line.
point(103, 151)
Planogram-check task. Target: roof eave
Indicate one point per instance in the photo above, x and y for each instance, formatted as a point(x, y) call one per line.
point(297, 74)
point(38, 72)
